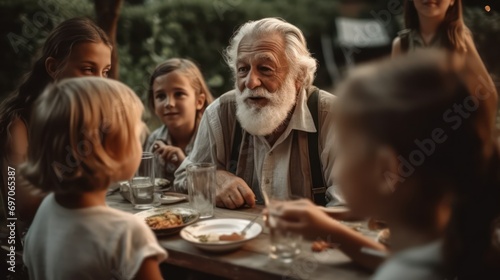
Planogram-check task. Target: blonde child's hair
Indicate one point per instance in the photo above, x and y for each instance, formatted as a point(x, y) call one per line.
point(192, 72)
point(82, 131)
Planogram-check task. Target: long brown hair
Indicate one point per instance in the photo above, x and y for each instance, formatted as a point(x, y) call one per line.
point(403, 101)
point(192, 72)
point(58, 45)
point(453, 25)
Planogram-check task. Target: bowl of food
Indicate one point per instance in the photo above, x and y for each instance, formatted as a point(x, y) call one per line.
point(220, 235)
point(167, 221)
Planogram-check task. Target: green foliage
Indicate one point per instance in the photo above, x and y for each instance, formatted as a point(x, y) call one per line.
point(200, 30)
point(151, 31)
point(486, 31)
point(24, 25)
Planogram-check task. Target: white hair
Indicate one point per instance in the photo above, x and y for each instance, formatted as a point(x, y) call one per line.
point(296, 50)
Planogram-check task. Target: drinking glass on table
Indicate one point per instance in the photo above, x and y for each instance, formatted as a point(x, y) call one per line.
point(142, 193)
point(201, 188)
point(285, 245)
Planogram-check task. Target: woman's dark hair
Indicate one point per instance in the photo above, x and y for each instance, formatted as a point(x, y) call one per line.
point(404, 104)
point(58, 45)
point(452, 26)
point(191, 71)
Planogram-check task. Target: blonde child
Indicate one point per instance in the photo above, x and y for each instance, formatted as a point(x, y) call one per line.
point(406, 158)
point(178, 95)
point(440, 24)
point(85, 135)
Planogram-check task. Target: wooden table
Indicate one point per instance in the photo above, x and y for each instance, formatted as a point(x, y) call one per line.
point(252, 261)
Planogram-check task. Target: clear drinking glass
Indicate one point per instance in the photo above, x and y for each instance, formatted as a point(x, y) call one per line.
point(285, 246)
point(142, 193)
point(201, 188)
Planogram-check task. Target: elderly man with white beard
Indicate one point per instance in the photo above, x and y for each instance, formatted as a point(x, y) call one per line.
point(266, 121)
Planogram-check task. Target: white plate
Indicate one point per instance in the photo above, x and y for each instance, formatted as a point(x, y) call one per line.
point(189, 216)
point(212, 229)
point(171, 197)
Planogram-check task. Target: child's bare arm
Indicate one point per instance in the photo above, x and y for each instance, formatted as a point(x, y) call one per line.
point(149, 270)
point(304, 217)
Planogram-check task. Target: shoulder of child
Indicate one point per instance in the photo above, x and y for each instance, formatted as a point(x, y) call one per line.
point(18, 140)
point(135, 242)
point(396, 47)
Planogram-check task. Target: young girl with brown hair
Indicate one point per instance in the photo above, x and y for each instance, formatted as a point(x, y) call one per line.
point(178, 95)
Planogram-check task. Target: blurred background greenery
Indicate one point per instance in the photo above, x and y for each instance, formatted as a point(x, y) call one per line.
point(151, 31)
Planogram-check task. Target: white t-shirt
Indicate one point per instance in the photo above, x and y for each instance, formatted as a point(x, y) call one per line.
point(418, 263)
point(90, 243)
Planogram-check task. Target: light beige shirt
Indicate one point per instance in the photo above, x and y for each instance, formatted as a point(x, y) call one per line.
point(279, 170)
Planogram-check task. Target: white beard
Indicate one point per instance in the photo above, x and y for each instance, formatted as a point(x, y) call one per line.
point(262, 121)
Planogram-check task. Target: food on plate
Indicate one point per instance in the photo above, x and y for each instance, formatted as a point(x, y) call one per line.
point(320, 246)
point(231, 237)
point(374, 224)
point(165, 220)
point(162, 183)
point(384, 237)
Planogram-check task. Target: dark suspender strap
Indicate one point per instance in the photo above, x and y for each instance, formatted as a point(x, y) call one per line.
point(318, 185)
point(235, 146)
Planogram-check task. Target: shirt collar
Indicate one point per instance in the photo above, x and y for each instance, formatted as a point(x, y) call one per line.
point(419, 41)
point(165, 136)
point(301, 116)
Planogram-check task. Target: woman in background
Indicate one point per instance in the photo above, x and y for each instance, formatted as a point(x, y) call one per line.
point(439, 24)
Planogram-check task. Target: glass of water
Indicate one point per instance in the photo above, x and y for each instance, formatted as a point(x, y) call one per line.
point(285, 246)
point(201, 188)
point(142, 193)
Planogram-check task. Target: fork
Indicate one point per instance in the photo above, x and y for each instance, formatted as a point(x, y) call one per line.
point(244, 231)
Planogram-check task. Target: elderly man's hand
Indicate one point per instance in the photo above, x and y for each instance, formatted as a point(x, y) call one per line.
point(232, 191)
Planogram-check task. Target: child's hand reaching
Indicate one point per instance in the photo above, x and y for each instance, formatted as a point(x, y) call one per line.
point(170, 154)
point(304, 217)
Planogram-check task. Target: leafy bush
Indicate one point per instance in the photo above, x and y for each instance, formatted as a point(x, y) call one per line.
point(156, 30)
point(199, 30)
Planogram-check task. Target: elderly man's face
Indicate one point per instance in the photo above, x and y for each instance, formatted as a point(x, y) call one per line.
point(261, 62)
point(265, 85)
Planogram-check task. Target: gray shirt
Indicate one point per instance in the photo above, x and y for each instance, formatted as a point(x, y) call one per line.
point(424, 262)
point(162, 169)
point(281, 169)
